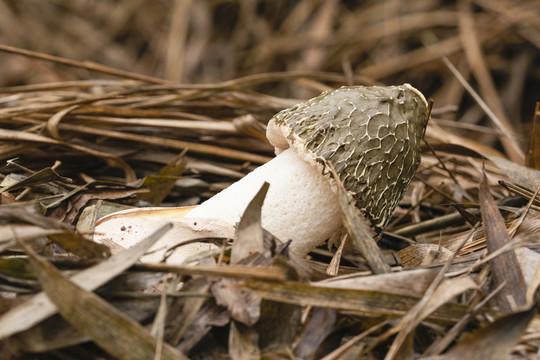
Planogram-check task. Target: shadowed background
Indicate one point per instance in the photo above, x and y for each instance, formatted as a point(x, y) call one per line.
point(494, 43)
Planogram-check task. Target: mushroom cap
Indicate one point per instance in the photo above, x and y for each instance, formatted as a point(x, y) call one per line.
point(371, 135)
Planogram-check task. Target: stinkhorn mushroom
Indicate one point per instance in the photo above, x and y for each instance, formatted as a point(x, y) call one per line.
point(372, 137)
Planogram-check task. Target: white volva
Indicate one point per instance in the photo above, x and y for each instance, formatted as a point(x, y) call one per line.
point(300, 204)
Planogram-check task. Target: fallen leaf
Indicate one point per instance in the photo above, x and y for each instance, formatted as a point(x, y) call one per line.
point(244, 307)
point(374, 303)
point(318, 327)
point(184, 311)
point(55, 333)
point(424, 254)
point(532, 154)
point(80, 201)
point(522, 175)
point(248, 237)
point(161, 183)
point(43, 176)
point(505, 267)
point(409, 283)
point(359, 233)
point(77, 244)
point(441, 295)
point(279, 322)
point(209, 316)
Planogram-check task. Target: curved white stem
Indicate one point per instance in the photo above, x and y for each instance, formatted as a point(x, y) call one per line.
point(300, 204)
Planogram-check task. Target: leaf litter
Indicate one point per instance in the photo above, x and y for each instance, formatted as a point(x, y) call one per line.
point(454, 275)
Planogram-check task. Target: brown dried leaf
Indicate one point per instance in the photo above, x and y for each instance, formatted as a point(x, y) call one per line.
point(532, 154)
point(52, 123)
point(55, 333)
point(184, 311)
point(78, 203)
point(432, 300)
point(505, 267)
point(17, 267)
point(79, 245)
point(24, 232)
point(29, 213)
point(161, 183)
point(248, 238)
point(43, 176)
point(279, 322)
point(210, 315)
point(244, 307)
point(468, 216)
point(318, 326)
point(359, 232)
point(374, 303)
point(412, 283)
point(524, 176)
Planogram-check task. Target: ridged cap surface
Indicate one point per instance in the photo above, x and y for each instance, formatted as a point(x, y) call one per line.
point(371, 135)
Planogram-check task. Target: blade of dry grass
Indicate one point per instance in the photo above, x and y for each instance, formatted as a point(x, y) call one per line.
point(361, 238)
point(365, 302)
point(12, 135)
point(270, 273)
point(456, 330)
point(170, 143)
point(508, 137)
point(505, 267)
point(479, 68)
point(82, 64)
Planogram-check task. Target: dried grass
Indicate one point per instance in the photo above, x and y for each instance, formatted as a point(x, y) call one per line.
point(118, 104)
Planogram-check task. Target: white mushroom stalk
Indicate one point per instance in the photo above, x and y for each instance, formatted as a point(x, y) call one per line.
point(300, 204)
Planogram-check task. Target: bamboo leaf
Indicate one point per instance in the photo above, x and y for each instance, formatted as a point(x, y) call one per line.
point(248, 238)
point(373, 303)
point(505, 267)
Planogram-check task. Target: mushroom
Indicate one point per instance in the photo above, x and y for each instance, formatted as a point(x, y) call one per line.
point(371, 135)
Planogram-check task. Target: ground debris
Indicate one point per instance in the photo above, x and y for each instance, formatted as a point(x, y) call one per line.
point(121, 106)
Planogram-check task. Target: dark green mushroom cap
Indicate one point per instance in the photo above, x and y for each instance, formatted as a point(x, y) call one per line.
point(371, 134)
